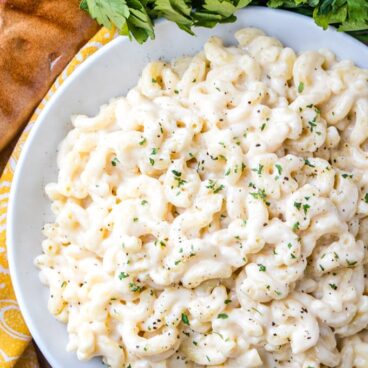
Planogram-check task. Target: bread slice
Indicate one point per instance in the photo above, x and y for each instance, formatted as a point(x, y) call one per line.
point(37, 39)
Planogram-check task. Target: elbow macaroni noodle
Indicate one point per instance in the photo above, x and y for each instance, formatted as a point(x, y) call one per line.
point(217, 215)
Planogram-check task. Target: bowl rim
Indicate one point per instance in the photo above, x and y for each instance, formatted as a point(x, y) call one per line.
point(11, 223)
point(36, 333)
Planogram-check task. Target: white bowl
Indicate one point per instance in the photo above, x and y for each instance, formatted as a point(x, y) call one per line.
point(110, 73)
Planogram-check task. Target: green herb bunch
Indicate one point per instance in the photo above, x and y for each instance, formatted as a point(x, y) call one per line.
point(135, 18)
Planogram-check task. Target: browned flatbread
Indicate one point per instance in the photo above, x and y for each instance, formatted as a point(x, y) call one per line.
point(37, 39)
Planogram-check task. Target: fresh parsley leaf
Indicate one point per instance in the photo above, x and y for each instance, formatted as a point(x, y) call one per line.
point(258, 169)
point(306, 207)
point(312, 125)
point(346, 176)
point(297, 205)
point(135, 18)
point(185, 319)
point(134, 287)
point(114, 161)
point(108, 13)
point(178, 11)
point(279, 169)
point(307, 162)
point(130, 17)
point(261, 194)
point(176, 173)
point(83, 5)
point(123, 275)
point(300, 87)
point(351, 263)
point(222, 316)
point(212, 184)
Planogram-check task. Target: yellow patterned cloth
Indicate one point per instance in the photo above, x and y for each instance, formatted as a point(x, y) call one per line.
point(15, 350)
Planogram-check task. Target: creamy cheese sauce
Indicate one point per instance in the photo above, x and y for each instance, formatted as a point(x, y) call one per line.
point(217, 214)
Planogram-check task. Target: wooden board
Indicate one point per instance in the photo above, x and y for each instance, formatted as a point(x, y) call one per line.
point(37, 39)
point(5, 154)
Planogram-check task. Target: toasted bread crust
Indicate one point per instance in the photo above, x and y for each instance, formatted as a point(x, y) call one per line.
point(37, 39)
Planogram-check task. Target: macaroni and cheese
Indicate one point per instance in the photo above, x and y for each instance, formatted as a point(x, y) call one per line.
point(217, 215)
